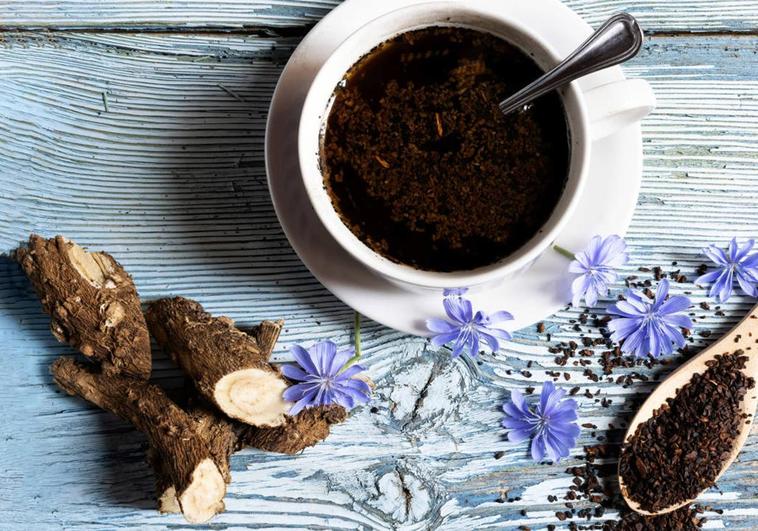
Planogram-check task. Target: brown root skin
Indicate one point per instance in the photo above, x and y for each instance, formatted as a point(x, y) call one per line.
point(220, 435)
point(164, 488)
point(305, 429)
point(180, 453)
point(228, 367)
point(266, 335)
point(92, 303)
point(225, 437)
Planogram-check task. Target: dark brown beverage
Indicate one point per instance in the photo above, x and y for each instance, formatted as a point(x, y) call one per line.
point(423, 167)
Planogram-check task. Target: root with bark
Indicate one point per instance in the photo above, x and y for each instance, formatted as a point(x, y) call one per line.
point(183, 458)
point(237, 398)
point(92, 303)
point(230, 369)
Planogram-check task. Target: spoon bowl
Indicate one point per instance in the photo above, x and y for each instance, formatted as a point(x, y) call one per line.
point(743, 337)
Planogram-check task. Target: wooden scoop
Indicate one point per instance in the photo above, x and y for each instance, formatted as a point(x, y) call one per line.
point(744, 337)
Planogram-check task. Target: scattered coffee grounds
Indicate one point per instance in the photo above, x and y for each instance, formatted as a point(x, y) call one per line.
point(593, 496)
point(681, 449)
point(592, 500)
point(421, 164)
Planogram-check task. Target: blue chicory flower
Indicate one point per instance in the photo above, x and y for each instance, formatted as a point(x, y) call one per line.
point(323, 380)
point(735, 263)
point(650, 327)
point(596, 268)
point(551, 424)
point(467, 329)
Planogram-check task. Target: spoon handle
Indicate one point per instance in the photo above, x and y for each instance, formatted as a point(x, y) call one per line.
point(616, 41)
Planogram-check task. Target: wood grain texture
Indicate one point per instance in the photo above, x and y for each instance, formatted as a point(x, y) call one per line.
point(654, 15)
point(151, 146)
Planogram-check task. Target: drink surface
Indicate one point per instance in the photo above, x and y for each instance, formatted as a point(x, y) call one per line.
point(423, 167)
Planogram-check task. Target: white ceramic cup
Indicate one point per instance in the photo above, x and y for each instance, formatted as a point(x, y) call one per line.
point(614, 106)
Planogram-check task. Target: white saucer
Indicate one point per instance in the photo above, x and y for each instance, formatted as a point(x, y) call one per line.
point(606, 208)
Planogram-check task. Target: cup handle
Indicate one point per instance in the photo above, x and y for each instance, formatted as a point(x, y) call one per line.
point(615, 105)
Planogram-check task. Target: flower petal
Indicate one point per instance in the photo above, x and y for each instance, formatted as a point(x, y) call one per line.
point(724, 286)
point(359, 386)
point(626, 309)
point(538, 449)
point(340, 359)
point(548, 409)
point(750, 262)
point(474, 345)
point(513, 411)
point(654, 338)
point(299, 391)
point(440, 326)
point(593, 249)
point(343, 399)
point(499, 317)
point(294, 372)
point(444, 339)
point(554, 449)
point(512, 423)
point(673, 336)
point(517, 436)
point(592, 294)
point(349, 373)
point(460, 343)
point(322, 354)
point(575, 266)
point(747, 285)
point(640, 301)
point(678, 320)
point(564, 411)
point(709, 278)
point(498, 333)
point(623, 327)
point(547, 396)
point(635, 343)
point(299, 406)
point(559, 444)
point(744, 250)
point(675, 304)
point(716, 255)
point(458, 309)
point(731, 252)
point(612, 252)
point(661, 293)
point(303, 358)
point(718, 284)
point(579, 288)
point(491, 340)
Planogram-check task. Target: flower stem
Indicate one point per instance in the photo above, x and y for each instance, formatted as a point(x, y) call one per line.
point(565, 252)
point(357, 336)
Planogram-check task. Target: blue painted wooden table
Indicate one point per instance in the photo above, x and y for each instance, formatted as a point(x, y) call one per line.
point(137, 127)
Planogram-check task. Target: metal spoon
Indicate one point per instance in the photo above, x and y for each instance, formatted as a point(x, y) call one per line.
point(741, 337)
point(618, 40)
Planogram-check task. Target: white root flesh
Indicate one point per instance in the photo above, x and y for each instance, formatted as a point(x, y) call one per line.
point(253, 396)
point(204, 497)
point(167, 502)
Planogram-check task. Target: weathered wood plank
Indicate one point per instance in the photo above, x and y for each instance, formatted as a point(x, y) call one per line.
point(169, 177)
point(655, 15)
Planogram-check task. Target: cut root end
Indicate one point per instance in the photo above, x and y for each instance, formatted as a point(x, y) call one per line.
point(167, 502)
point(203, 498)
point(253, 396)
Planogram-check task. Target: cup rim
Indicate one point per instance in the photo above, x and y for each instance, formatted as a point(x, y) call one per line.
point(313, 180)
